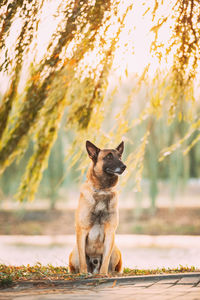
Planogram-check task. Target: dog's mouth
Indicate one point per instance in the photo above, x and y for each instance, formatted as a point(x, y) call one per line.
point(117, 171)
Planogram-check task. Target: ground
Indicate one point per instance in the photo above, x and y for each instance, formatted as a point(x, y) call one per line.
point(180, 220)
point(165, 287)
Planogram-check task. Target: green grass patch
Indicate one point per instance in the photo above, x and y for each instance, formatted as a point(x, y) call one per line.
point(9, 274)
point(180, 269)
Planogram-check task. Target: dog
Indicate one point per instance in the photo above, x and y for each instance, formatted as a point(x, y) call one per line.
point(96, 217)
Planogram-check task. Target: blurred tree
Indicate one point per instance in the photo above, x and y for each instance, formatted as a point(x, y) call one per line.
point(54, 173)
point(63, 77)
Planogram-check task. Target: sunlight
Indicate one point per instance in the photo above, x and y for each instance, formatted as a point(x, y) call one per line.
point(50, 17)
point(79, 72)
point(132, 51)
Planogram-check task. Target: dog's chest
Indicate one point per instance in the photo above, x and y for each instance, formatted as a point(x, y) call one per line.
point(102, 210)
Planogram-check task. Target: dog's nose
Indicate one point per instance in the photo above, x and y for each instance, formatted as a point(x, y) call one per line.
point(123, 168)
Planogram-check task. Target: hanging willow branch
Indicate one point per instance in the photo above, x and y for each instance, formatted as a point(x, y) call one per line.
point(39, 103)
point(184, 43)
point(7, 18)
point(184, 39)
point(38, 92)
point(24, 40)
point(62, 78)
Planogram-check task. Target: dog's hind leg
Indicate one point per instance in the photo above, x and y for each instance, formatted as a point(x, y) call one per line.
point(74, 262)
point(115, 264)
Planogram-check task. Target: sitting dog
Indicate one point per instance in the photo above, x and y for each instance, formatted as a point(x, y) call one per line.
point(97, 214)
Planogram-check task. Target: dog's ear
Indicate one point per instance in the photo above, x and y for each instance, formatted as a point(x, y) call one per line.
point(120, 148)
point(92, 150)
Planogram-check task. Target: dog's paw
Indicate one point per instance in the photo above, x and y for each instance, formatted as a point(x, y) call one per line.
point(103, 272)
point(83, 270)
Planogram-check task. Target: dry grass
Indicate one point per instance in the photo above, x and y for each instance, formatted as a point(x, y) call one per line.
point(10, 274)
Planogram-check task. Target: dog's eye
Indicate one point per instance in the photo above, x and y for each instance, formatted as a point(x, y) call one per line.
point(109, 156)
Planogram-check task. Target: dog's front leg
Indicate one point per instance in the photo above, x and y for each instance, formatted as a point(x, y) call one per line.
point(81, 236)
point(108, 247)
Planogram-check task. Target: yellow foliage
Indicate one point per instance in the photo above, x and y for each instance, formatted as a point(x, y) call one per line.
point(72, 79)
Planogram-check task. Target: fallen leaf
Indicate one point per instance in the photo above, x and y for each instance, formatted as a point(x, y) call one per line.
point(114, 283)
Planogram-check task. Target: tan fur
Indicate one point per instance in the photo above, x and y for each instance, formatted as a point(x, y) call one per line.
point(93, 238)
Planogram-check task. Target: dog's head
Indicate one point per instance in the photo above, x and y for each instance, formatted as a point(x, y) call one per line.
point(106, 160)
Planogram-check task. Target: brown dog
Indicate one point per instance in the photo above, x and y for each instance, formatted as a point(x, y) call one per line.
point(97, 214)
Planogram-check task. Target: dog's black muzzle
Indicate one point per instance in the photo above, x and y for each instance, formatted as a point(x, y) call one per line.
point(118, 170)
point(123, 168)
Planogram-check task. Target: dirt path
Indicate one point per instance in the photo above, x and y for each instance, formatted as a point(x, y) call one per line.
point(165, 287)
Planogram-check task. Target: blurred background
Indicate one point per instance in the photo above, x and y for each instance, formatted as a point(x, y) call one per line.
point(168, 205)
point(105, 73)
